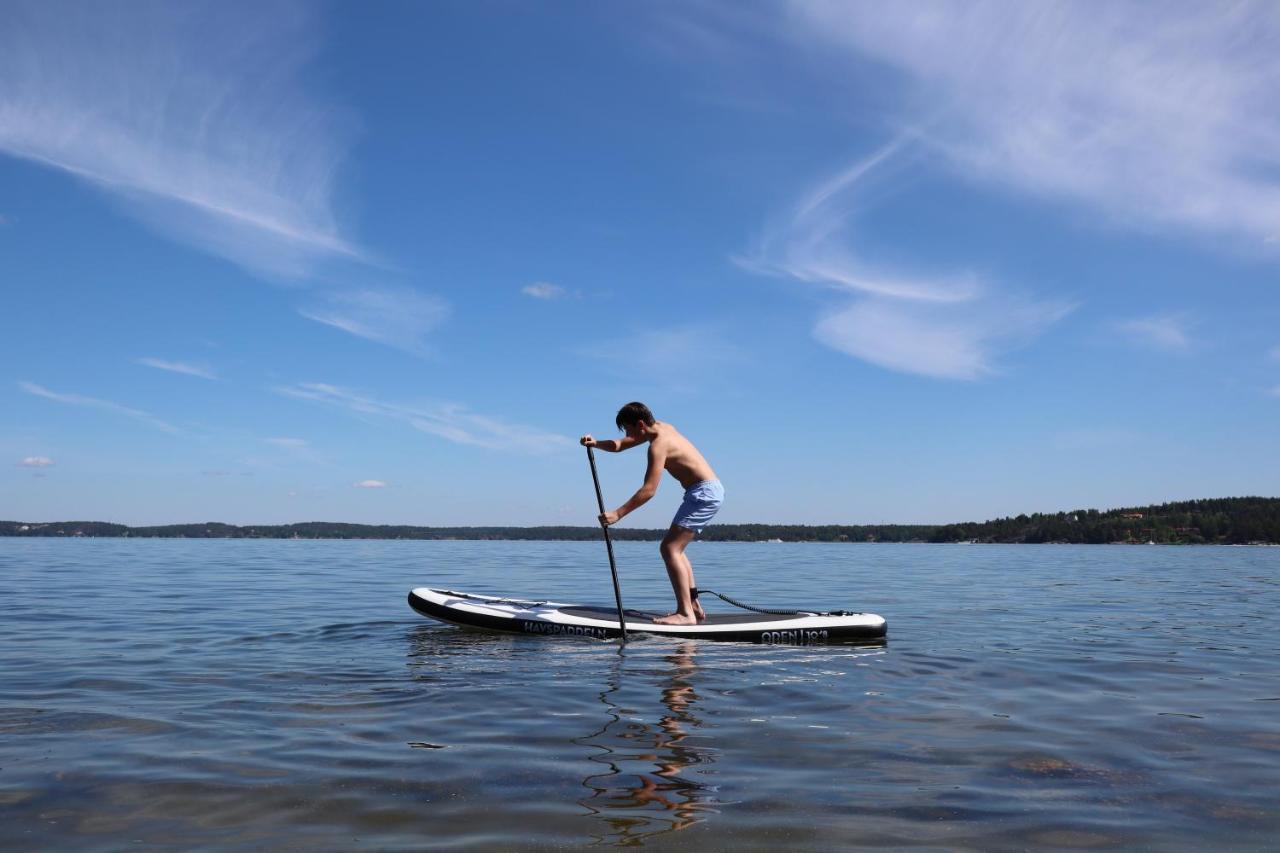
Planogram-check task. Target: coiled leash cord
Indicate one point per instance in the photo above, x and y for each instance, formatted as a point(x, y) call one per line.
point(774, 612)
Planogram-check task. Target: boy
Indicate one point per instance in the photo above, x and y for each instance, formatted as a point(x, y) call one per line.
point(702, 496)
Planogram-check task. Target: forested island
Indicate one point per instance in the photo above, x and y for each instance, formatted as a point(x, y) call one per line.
point(1220, 521)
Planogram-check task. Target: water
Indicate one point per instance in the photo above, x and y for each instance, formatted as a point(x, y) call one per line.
point(278, 694)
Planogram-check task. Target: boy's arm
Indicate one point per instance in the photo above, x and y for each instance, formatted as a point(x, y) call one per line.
point(652, 477)
point(612, 445)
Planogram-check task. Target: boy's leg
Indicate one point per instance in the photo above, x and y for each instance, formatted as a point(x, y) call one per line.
point(698, 612)
point(680, 571)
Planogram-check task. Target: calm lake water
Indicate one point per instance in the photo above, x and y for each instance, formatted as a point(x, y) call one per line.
point(279, 694)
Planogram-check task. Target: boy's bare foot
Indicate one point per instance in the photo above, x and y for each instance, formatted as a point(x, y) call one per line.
point(676, 619)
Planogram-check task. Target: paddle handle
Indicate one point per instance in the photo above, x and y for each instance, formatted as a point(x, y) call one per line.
point(608, 543)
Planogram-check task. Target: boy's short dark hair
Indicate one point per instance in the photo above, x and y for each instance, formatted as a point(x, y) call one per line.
point(632, 414)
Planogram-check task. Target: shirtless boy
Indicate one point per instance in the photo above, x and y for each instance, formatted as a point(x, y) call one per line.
point(669, 450)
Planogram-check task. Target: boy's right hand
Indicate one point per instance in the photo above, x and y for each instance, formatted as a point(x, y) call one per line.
point(587, 441)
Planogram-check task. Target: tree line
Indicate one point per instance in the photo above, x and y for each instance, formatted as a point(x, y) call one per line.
point(1225, 521)
point(1218, 521)
point(338, 530)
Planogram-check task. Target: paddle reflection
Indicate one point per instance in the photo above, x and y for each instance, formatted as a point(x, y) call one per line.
point(644, 789)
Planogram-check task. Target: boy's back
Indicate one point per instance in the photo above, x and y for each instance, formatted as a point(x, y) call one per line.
point(680, 458)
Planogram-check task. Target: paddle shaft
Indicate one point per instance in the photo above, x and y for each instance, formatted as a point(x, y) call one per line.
point(608, 543)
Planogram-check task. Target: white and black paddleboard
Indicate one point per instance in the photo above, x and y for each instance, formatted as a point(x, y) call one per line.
point(550, 618)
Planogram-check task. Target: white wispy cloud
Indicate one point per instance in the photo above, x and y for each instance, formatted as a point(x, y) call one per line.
point(1274, 353)
point(288, 443)
point(951, 342)
point(1158, 115)
point(812, 242)
point(297, 448)
point(948, 325)
point(1274, 391)
point(36, 462)
point(544, 290)
point(449, 421)
point(94, 403)
point(666, 352)
point(200, 370)
point(199, 120)
point(1167, 332)
point(194, 116)
point(370, 484)
point(397, 317)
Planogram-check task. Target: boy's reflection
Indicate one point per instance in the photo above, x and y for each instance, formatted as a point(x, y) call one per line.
point(643, 792)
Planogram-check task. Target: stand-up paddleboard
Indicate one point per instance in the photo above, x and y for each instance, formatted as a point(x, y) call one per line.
point(550, 618)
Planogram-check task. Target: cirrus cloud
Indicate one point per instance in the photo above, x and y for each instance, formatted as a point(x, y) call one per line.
point(94, 403)
point(929, 340)
point(196, 120)
point(288, 443)
point(946, 325)
point(450, 421)
point(1157, 115)
point(397, 317)
point(1166, 332)
point(199, 370)
point(543, 290)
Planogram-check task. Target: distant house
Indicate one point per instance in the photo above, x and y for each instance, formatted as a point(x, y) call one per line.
point(1136, 515)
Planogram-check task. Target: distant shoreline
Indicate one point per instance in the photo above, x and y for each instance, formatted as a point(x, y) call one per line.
point(1217, 521)
point(657, 537)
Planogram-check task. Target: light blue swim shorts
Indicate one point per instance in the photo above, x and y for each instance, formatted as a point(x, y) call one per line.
point(701, 503)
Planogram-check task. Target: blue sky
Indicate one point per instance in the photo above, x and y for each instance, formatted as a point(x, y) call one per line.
point(918, 262)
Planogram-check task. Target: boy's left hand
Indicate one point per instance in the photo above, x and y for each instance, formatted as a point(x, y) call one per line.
point(608, 518)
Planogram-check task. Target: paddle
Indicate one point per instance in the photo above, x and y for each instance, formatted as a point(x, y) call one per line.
point(608, 543)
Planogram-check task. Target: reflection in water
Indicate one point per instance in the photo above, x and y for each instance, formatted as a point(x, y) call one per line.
point(643, 753)
point(643, 793)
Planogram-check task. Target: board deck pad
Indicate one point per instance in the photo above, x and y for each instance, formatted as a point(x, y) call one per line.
point(549, 618)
